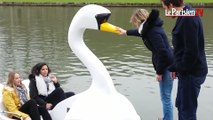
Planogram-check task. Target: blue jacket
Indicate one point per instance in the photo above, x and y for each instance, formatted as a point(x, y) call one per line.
point(188, 42)
point(156, 41)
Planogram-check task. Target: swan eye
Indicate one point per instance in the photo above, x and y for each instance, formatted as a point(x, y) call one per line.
point(102, 18)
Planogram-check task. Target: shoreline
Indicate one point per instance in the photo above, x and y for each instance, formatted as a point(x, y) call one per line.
point(206, 5)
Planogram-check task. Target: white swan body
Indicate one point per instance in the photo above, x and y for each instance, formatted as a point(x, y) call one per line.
point(101, 101)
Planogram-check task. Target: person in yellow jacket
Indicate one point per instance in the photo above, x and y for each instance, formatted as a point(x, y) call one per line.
point(16, 100)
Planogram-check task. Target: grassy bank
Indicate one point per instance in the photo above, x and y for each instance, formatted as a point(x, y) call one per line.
point(147, 3)
point(102, 1)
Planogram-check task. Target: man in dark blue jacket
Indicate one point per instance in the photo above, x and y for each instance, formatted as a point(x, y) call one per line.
point(190, 64)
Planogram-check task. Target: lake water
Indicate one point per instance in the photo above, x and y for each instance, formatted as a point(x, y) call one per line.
point(29, 35)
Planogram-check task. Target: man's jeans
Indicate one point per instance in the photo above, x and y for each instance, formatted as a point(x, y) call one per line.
point(187, 94)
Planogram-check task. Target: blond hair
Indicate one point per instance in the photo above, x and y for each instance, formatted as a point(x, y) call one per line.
point(139, 16)
point(11, 77)
point(10, 81)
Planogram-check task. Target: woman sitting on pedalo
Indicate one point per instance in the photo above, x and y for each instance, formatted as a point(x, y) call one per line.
point(16, 100)
point(45, 88)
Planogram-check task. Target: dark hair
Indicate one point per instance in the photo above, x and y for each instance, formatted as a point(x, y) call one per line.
point(176, 3)
point(37, 68)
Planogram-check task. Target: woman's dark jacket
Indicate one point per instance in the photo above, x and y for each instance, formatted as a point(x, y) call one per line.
point(188, 42)
point(156, 41)
point(34, 91)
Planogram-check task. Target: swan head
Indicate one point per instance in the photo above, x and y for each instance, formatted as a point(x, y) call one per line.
point(93, 17)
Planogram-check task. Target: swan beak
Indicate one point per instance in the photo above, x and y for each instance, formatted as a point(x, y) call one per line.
point(107, 27)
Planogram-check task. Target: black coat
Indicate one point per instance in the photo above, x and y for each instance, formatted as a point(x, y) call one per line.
point(156, 41)
point(188, 42)
point(34, 91)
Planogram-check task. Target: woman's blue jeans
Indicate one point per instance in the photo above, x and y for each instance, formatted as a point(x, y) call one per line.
point(166, 85)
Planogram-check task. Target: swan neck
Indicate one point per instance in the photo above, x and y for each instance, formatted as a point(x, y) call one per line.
point(100, 77)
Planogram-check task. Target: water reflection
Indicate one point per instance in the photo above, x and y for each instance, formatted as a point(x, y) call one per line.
point(33, 34)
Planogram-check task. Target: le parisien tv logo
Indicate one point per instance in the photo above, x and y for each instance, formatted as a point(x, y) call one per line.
point(184, 13)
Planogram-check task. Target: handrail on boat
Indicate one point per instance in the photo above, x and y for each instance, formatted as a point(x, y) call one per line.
point(7, 112)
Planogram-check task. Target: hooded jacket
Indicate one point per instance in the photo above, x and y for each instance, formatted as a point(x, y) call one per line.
point(156, 41)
